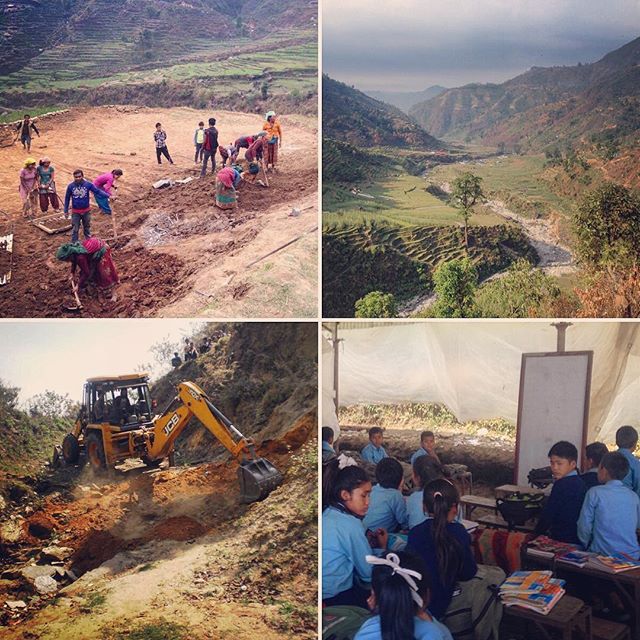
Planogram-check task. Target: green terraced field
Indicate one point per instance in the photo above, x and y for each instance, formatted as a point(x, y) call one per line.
point(50, 71)
point(519, 176)
point(394, 203)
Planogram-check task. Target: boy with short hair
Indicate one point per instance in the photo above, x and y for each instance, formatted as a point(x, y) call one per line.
point(593, 455)
point(610, 514)
point(387, 509)
point(374, 451)
point(160, 139)
point(427, 447)
point(328, 451)
point(560, 514)
point(198, 141)
point(627, 441)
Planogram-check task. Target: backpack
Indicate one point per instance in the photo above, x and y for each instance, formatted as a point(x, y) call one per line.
point(208, 144)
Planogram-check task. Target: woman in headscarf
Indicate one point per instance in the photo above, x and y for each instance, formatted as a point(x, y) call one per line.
point(227, 180)
point(273, 139)
point(28, 188)
point(47, 186)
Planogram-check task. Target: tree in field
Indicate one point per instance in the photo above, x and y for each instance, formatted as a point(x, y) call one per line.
point(376, 305)
point(52, 405)
point(466, 192)
point(523, 292)
point(455, 282)
point(607, 227)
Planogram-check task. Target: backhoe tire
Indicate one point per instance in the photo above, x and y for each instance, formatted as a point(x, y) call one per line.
point(95, 452)
point(70, 449)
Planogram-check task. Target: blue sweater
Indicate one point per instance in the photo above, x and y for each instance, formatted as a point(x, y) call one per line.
point(373, 454)
point(344, 547)
point(421, 542)
point(422, 630)
point(609, 518)
point(387, 509)
point(78, 195)
point(559, 516)
point(632, 479)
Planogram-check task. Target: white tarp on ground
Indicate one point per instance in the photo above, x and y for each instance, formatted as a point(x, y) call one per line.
point(473, 367)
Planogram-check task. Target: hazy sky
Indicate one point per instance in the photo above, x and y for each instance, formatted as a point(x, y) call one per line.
point(412, 44)
point(60, 356)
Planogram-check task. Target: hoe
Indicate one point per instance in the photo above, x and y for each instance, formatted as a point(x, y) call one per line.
point(116, 423)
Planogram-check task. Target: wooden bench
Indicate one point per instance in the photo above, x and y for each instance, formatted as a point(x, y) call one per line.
point(469, 503)
point(608, 630)
point(497, 521)
point(568, 616)
point(507, 489)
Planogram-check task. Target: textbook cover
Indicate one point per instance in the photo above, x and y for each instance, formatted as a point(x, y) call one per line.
point(525, 582)
point(576, 558)
point(614, 564)
point(542, 601)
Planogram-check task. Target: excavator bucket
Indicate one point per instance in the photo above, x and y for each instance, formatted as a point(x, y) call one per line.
point(258, 478)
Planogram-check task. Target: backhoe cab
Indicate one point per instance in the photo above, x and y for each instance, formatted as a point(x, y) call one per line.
point(116, 423)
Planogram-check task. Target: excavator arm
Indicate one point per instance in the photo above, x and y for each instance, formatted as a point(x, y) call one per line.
point(258, 477)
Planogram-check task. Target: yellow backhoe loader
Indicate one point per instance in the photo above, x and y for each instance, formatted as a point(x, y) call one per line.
point(116, 422)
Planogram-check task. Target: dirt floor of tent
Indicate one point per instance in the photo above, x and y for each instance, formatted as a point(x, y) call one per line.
point(176, 253)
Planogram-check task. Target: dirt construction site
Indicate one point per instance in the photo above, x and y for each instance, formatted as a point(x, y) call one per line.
point(163, 553)
point(177, 255)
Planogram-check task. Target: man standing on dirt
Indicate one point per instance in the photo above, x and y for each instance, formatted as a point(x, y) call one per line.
point(198, 141)
point(24, 129)
point(78, 195)
point(160, 138)
point(209, 147)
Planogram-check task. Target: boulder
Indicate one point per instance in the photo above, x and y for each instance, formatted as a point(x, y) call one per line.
point(46, 585)
point(31, 572)
point(55, 554)
point(16, 604)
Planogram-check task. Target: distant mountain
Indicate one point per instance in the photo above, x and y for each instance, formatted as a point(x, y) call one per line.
point(30, 27)
point(543, 105)
point(355, 118)
point(404, 100)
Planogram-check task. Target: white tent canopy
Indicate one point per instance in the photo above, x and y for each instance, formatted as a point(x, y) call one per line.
point(473, 367)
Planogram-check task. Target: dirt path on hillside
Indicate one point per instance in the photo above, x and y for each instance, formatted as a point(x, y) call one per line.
point(169, 546)
point(171, 242)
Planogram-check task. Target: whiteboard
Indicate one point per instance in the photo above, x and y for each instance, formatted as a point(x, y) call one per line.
point(553, 405)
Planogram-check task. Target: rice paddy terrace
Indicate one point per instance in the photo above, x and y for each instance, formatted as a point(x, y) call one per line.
point(359, 258)
point(192, 53)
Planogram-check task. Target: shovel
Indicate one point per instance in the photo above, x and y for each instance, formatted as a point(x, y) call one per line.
point(258, 478)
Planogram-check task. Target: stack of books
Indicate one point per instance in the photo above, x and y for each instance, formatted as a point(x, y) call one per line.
point(544, 547)
point(535, 590)
point(611, 564)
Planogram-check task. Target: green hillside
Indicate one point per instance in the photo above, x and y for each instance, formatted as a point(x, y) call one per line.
point(544, 106)
point(358, 259)
point(355, 118)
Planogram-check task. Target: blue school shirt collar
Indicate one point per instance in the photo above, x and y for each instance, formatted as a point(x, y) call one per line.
point(614, 483)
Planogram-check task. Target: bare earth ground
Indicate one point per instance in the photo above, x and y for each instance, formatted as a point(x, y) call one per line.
point(172, 546)
point(177, 255)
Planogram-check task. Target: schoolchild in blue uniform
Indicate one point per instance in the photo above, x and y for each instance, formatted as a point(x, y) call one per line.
point(425, 469)
point(387, 507)
point(593, 454)
point(559, 516)
point(399, 598)
point(610, 515)
point(374, 451)
point(627, 441)
point(346, 574)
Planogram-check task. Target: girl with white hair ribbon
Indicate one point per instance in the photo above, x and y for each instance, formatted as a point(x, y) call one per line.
point(399, 596)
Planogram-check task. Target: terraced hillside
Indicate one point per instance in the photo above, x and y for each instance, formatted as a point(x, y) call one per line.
point(159, 52)
point(358, 259)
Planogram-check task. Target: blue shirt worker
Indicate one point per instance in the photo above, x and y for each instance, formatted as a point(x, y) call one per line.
point(77, 195)
point(328, 451)
point(374, 451)
point(610, 514)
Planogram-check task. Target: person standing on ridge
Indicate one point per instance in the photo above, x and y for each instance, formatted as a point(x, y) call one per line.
point(160, 138)
point(24, 131)
point(210, 146)
point(273, 139)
